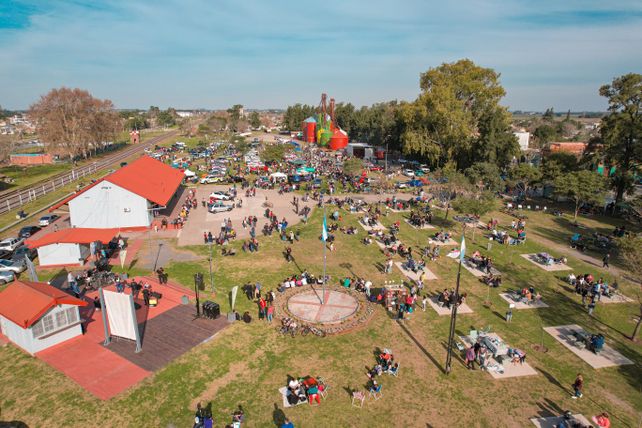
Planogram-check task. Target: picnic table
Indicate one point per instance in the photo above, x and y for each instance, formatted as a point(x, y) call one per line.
point(494, 344)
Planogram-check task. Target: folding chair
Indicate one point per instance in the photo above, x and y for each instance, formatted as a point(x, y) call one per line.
point(376, 393)
point(359, 397)
point(324, 393)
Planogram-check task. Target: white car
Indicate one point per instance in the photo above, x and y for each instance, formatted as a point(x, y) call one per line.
point(47, 219)
point(220, 196)
point(408, 172)
point(6, 277)
point(211, 179)
point(11, 266)
point(219, 207)
point(11, 244)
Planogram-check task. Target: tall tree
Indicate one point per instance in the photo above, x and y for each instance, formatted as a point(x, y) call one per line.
point(448, 184)
point(582, 187)
point(255, 120)
point(445, 120)
point(485, 175)
point(477, 205)
point(523, 176)
point(296, 114)
point(72, 122)
point(621, 130)
point(166, 118)
point(235, 115)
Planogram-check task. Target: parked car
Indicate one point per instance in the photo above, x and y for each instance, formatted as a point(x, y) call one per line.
point(219, 207)
point(27, 231)
point(6, 277)
point(220, 196)
point(408, 172)
point(22, 251)
point(11, 244)
point(209, 179)
point(5, 254)
point(46, 220)
point(12, 266)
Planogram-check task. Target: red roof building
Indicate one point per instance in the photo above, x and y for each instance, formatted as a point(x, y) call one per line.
point(574, 147)
point(74, 235)
point(35, 315)
point(146, 177)
point(124, 199)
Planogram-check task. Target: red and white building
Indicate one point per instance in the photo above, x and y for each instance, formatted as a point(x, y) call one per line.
point(36, 316)
point(68, 246)
point(126, 198)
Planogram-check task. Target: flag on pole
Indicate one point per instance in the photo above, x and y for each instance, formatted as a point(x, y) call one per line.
point(462, 251)
point(324, 232)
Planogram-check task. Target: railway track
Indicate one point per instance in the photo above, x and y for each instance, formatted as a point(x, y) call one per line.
point(16, 198)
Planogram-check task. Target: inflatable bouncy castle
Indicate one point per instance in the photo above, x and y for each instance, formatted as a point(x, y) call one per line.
point(323, 128)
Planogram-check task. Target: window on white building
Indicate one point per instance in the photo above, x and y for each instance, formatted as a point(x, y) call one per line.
point(51, 323)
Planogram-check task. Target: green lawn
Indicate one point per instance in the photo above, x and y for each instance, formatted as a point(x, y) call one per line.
point(246, 364)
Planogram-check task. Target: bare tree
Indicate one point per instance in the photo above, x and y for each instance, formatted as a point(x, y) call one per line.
point(72, 122)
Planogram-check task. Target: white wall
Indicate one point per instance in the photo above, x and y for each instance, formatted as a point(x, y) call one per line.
point(107, 205)
point(24, 337)
point(60, 254)
point(523, 138)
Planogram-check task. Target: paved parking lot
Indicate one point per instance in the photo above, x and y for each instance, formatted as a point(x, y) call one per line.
point(200, 220)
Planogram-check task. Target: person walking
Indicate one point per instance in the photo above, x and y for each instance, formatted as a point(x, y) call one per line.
point(578, 386)
point(470, 358)
point(605, 260)
point(424, 302)
point(509, 313)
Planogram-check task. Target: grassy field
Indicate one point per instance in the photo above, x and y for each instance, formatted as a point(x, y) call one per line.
point(27, 175)
point(246, 364)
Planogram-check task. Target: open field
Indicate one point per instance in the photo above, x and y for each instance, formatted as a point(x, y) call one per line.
point(26, 175)
point(246, 364)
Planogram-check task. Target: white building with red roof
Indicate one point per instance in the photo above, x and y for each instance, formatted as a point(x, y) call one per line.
point(36, 316)
point(68, 246)
point(125, 199)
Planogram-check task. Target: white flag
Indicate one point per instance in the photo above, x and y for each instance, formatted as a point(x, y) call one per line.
point(462, 251)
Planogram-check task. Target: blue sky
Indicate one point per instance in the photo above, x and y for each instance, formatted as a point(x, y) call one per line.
point(272, 53)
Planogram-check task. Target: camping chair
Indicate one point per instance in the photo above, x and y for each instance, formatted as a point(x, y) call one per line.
point(376, 393)
point(359, 397)
point(324, 393)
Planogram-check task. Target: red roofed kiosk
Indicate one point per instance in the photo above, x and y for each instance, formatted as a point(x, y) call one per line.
point(68, 246)
point(125, 198)
point(36, 316)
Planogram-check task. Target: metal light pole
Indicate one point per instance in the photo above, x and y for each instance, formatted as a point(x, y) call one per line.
point(453, 315)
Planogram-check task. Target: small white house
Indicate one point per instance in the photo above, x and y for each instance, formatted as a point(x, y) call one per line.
point(361, 150)
point(35, 315)
point(126, 198)
point(68, 246)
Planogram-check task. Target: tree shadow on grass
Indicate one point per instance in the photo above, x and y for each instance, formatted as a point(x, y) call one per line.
point(420, 346)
